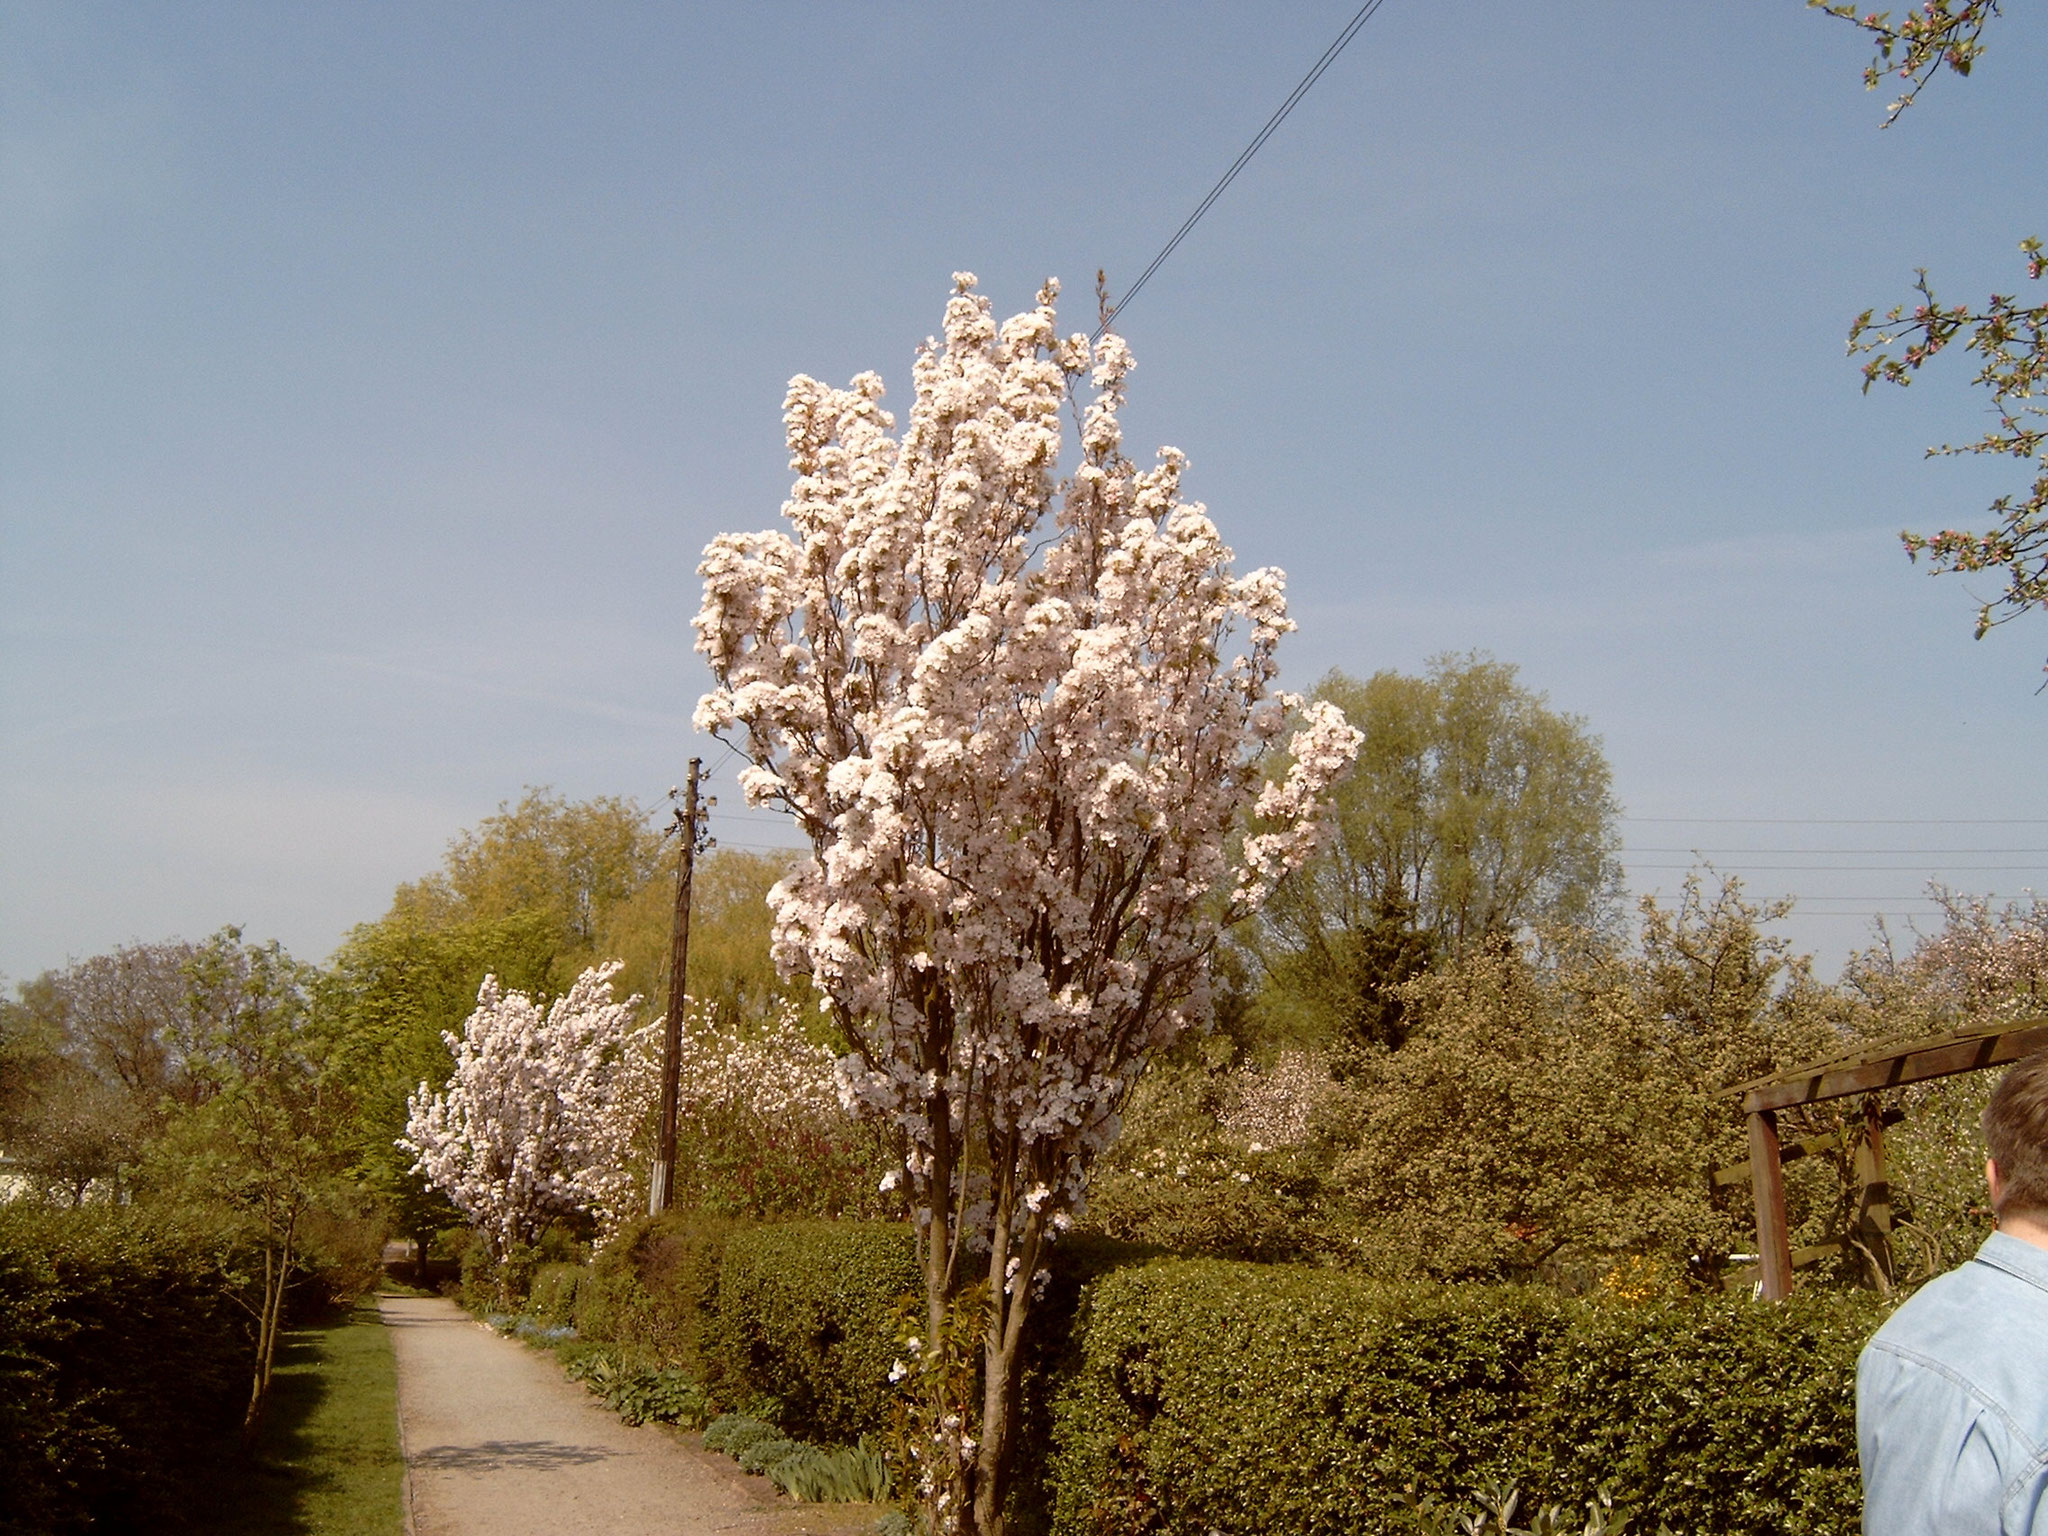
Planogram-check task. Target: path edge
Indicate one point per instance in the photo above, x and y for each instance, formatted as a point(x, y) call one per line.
point(404, 1441)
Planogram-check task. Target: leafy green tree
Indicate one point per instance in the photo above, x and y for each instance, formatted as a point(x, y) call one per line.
point(530, 895)
point(1555, 1113)
point(395, 987)
point(2005, 334)
point(732, 978)
point(190, 1076)
point(65, 1132)
point(262, 1144)
point(1474, 811)
point(531, 891)
point(96, 1058)
point(570, 862)
point(125, 1018)
point(1520, 1130)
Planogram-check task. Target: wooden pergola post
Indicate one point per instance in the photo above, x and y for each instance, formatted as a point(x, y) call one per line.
point(1874, 1196)
point(1767, 1179)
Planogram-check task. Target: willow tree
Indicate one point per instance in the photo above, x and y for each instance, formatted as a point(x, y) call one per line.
point(1476, 812)
point(1023, 718)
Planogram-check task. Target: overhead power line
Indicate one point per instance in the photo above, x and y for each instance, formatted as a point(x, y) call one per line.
point(1867, 869)
point(1844, 853)
point(1840, 821)
point(1258, 142)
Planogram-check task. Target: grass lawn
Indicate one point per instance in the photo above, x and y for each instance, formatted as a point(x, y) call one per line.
point(328, 1463)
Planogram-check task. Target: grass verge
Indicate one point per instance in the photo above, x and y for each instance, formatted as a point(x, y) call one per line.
point(328, 1463)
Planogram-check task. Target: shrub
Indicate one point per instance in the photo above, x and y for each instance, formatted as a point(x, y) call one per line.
point(1717, 1415)
point(732, 1433)
point(551, 1299)
point(853, 1474)
point(664, 1397)
point(123, 1362)
point(1207, 1391)
point(654, 1290)
point(804, 1312)
point(764, 1454)
point(1209, 1395)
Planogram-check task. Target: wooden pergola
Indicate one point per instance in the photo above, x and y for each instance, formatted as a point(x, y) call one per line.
point(1865, 1071)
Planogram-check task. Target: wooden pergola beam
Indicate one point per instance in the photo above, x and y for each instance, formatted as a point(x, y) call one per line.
point(1915, 1063)
point(1792, 1151)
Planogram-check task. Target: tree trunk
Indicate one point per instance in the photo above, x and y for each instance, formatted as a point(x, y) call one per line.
point(266, 1351)
point(1001, 1393)
point(1002, 1375)
point(277, 1269)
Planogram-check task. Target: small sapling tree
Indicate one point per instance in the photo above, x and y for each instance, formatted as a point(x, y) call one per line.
point(1026, 723)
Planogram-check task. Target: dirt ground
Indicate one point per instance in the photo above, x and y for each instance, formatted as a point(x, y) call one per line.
point(499, 1443)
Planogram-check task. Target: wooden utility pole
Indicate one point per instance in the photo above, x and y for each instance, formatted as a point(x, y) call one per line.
point(689, 827)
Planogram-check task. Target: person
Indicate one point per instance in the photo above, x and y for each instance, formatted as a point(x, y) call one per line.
point(1952, 1392)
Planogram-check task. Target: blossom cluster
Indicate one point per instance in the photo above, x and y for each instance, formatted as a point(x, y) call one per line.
point(1021, 721)
point(1273, 1108)
point(1025, 719)
point(775, 1074)
point(537, 1120)
point(762, 1129)
point(1986, 958)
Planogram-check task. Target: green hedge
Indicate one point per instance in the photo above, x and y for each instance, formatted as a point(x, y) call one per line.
point(1726, 1415)
point(804, 1314)
point(123, 1363)
point(652, 1293)
point(1219, 1397)
point(1184, 1397)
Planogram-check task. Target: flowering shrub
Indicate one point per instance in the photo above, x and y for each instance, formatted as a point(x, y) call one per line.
point(1191, 1175)
point(537, 1120)
point(1988, 960)
point(761, 1130)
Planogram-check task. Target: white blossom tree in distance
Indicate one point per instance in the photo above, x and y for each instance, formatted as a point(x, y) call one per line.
point(537, 1120)
point(1029, 724)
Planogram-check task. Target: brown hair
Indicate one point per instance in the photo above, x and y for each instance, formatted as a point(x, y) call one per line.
point(2016, 1133)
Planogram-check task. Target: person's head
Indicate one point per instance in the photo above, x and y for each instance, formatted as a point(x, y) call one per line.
point(2016, 1135)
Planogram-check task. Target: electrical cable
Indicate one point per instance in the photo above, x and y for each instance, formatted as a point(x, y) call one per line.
point(1258, 142)
point(1841, 821)
point(1844, 853)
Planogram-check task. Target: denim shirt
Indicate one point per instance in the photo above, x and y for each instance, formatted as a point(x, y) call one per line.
point(1952, 1402)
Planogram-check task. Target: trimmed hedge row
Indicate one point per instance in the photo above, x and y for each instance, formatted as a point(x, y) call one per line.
point(1218, 1397)
point(653, 1291)
point(805, 1314)
point(1721, 1415)
point(1209, 1391)
point(123, 1364)
point(1189, 1397)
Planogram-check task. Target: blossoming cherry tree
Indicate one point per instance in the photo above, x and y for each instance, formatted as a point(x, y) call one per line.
point(1026, 721)
point(537, 1120)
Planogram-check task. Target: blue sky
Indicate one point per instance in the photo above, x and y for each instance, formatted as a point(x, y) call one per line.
point(371, 377)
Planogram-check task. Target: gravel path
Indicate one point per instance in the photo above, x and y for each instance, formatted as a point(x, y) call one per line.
point(499, 1443)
